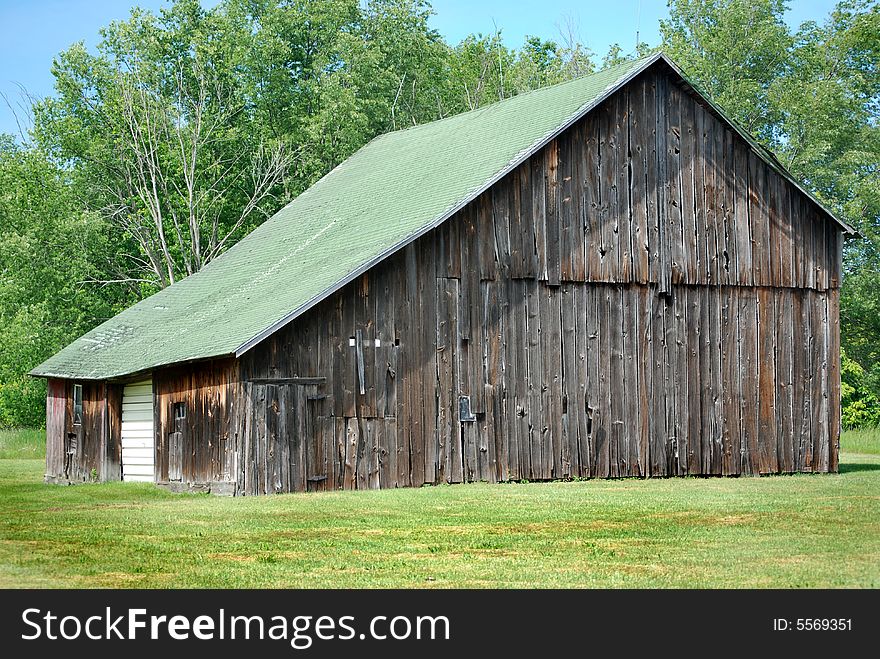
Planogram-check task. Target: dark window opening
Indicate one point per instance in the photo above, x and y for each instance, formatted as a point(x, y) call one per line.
point(179, 411)
point(77, 404)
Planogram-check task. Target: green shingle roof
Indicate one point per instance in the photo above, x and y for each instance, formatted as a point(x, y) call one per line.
point(392, 190)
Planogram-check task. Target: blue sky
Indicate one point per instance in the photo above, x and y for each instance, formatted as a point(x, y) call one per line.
point(32, 32)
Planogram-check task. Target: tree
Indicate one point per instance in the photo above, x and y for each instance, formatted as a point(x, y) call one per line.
point(48, 248)
point(157, 131)
point(735, 50)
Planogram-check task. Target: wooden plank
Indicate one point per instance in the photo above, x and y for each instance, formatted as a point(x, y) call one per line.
point(659, 385)
point(731, 383)
point(513, 405)
point(589, 449)
point(550, 315)
point(591, 200)
point(834, 411)
point(800, 374)
point(602, 416)
point(622, 187)
point(651, 177)
point(679, 356)
point(531, 205)
point(664, 271)
point(449, 446)
point(835, 255)
point(577, 402)
point(731, 255)
point(501, 221)
point(768, 462)
point(722, 234)
point(551, 191)
point(617, 384)
point(671, 392)
point(348, 361)
point(352, 441)
point(536, 443)
point(693, 341)
point(607, 199)
point(638, 153)
point(759, 218)
point(819, 324)
point(567, 234)
point(450, 244)
point(674, 187)
point(275, 472)
point(632, 366)
point(574, 195)
point(707, 428)
point(540, 213)
point(785, 448)
point(711, 213)
point(494, 328)
point(571, 381)
point(486, 236)
point(513, 187)
point(689, 259)
point(375, 431)
point(488, 439)
point(741, 228)
point(702, 256)
point(426, 403)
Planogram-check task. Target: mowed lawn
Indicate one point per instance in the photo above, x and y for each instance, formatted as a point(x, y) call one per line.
point(782, 531)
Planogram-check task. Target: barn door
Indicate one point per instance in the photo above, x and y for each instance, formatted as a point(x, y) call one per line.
point(175, 441)
point(138, 451)
point(294, 448)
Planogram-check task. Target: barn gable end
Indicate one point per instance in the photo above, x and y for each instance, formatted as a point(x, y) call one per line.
point(644, 295)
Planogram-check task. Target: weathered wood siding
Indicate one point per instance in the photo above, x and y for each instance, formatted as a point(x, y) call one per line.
point(198, 450)
point(86, 451)
point(644, 297)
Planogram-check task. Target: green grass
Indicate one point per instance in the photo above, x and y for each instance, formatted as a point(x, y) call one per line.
point(783, 531)
point(24, 444)
point(861, 441)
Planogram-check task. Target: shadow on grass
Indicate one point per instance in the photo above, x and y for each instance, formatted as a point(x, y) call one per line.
point(849, 467)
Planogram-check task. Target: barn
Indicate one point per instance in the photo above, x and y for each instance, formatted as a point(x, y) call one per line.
point(604, 278)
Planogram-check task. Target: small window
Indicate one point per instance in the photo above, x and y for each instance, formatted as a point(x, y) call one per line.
point(179, 411)
point(77, 404)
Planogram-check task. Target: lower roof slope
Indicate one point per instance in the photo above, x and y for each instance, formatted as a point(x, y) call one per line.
point(388, 193)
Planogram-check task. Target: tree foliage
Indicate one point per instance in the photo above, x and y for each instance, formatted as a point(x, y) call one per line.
point(48, 248)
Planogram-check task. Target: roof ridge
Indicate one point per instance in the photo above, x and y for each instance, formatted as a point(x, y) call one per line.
point(536, 90)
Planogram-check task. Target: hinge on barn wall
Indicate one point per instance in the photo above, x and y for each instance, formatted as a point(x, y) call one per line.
point(359, 349)
point(464, 409)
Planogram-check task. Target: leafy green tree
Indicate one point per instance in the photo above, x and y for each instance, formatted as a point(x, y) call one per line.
point(735, 50)
point(157, 132)
point(49, 250)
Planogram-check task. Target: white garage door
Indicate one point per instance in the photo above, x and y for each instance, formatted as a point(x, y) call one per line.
point(137, 432)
